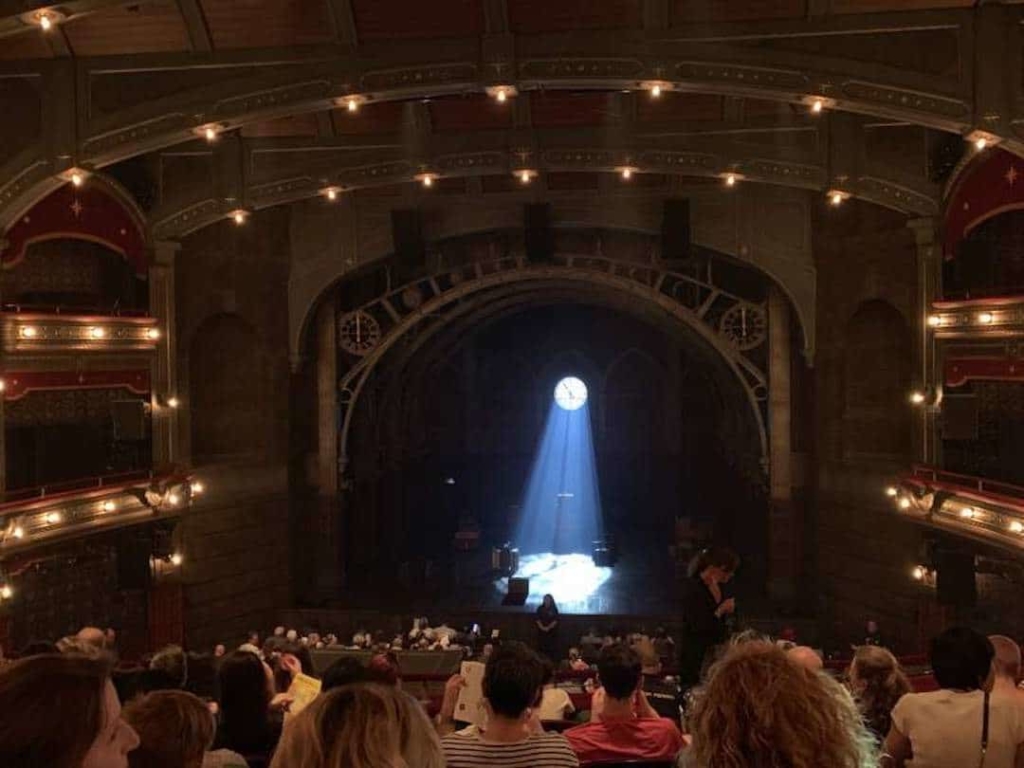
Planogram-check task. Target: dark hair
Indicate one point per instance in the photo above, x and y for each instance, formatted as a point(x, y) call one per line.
point(619, 669)
point(722, 557)
point(344, 671)
point(53, 710)
point(244, 700)
point(961, 658)
point(513, 679)
point(38, 648)
point(383, 668)
point(175, 729)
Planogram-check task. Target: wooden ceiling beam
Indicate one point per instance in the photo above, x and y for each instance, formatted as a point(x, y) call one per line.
point(195, 23)
point(344, 22)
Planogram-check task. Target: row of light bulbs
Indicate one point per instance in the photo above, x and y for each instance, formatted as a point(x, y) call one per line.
point(982, 318)
point(97, 332)
point(966, 513)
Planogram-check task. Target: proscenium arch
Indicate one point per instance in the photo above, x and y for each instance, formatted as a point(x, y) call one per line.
point(355, 380)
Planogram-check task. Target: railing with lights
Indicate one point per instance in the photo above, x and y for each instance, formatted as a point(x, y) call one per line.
point(40, 332)
point(983, 509)
point(996, 317)
point(44, 515)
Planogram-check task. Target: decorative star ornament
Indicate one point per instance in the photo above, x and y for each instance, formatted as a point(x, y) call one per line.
point(76, 208)
point(1011, 175)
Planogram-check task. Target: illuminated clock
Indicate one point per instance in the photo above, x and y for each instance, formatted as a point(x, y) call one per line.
point(358, 333)
point(570, 393)
point(745, 325)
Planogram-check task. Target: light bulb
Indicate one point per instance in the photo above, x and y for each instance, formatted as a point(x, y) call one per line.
point(18, 532)
point(109, 506)
point(238, 217)
point(152, 334)
point(837, 198)
point(53, 518)
point(77, 179)
point(97, 332)
point(173, 499)
point(6, 592)
point(656, 91)
point(730, 180)
point(210, 133)
point(176, 559)
point(891, 492)
point(934, 321)
point(1016, 526)
point(332, 194)
point(917, 398)
point(501, 96)
point(986, 317)
point(173, 402)
point(45, 22)
point(627, 173)
point(967, 513)
point(197, 488)
point(29, 331)
point(980, 143)
point(817, 105)
point(918, 573)
point(904, 503)
point(3, 385)
point(353, 105)
point(428, 181)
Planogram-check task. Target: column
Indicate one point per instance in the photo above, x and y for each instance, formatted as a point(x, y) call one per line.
point(782, 527)
point(324, 533)
point(167, 447)
point(929, 275)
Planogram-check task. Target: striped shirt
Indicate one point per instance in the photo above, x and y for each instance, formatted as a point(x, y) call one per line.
point(540, 750)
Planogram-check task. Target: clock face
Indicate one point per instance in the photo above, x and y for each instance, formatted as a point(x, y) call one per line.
point(745, 325)
point(358, 333)
point(570, 393)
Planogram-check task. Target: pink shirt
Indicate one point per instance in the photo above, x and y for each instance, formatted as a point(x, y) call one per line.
point(651, 738)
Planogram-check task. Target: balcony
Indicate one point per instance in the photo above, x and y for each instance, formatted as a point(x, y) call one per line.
point(33, 517)
point(985, 510)
point(991, 318)
point(36, 333)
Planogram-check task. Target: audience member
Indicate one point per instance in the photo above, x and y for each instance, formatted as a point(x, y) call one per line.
point(253, 638)
point(575, 662)
point(360, 726)
point(555, 703)
point(512, 737)
point(872, 635)
point(175, 731)
point(62, 712)
point(250, 721)
point(92, 636)
point(627, 728)
point(758, 708)
point(344, 671)
point(547, 627)
point(663, 693)
point(171, 668)
point(219, 650)
point(1006, 665)
point(943, 728)
point(805, 657)
point(877, 683)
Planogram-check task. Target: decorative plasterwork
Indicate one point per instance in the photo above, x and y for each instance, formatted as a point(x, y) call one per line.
point(980, 509)
point(57, 334)
point(978, 319)
point(48, 517)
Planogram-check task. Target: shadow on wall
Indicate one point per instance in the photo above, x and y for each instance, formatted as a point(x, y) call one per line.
point(229, 391)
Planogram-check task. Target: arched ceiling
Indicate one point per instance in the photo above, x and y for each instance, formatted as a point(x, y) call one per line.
point(118, 80)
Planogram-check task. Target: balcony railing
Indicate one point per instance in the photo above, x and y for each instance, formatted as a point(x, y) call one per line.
point(31, 332)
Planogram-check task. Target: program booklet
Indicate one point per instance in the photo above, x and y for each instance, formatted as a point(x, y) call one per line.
point(470, 706)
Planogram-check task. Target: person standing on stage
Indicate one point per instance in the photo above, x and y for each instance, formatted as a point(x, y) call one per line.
point(547, 628)
point(705, 610)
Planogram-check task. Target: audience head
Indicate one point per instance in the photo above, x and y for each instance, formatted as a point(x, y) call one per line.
point(170, 661)
point(344, 671)
point(650, 661)
point(619, 669)
point(245, 687)
point(961, 659)
point(219, 650)
point(62, 712)
point(877, 682)
point(716, 564)
point(383, 668)
point(1007, 660)
point(759, 708)
point(175, 730)
point(360, 726)
point(806, 657)
point(278, 631)
point(871, 627)
point(548, 601)
point(252, 637)
point(110, 637)
point(291, 636)
point(512, 682)
point(92, 636)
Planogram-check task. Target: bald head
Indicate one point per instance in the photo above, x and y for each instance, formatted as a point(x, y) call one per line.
point(92, 636)
point(1007, 660)
point(806, 658)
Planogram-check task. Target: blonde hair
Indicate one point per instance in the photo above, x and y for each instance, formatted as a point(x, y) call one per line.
point(760, 709)
point(360, 726)
point(883, 685)
point(175, 729)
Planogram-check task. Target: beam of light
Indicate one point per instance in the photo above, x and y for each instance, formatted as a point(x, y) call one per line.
point(561, 509)
point(570, 579)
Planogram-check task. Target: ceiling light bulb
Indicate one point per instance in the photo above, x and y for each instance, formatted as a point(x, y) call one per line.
point(891, 492)
point(239, 217)
point(210, 133)
point(77, 179)
point(986, 318)
point(97, 332)
point(967, 513)
point(917, 398)
point(730, 180)
point(109, 506)
point(934, 321)
point(980, 143)
point(353, 105)
point(501, 96)
point(919, 572)
point(45, 22)
point(173, 499)
point(904, 503)
point(837, 198)
point(817, 105)
point(627, 173)
point(152, 334)
point(656, 91)
point(173, 402)
point(428, 181)
point(1016, 527)
point(53, 518)
point(6, 592)
point(332, 194)
point(18, 532)
point(29, 331)
point(524, 176)
point(197, 488)
point(176, 559)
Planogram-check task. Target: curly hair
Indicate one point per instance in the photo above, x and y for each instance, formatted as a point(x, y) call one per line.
point(760, 710)
point(878, 683)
